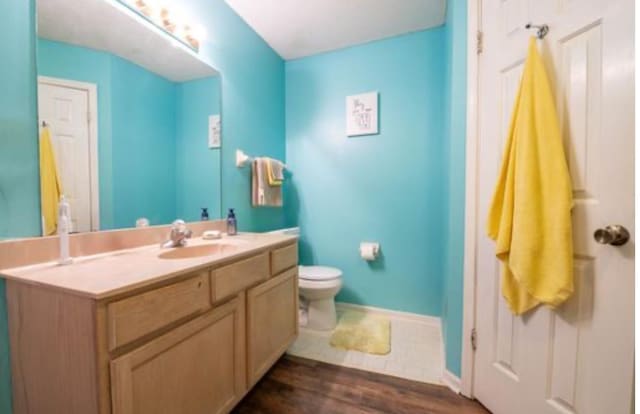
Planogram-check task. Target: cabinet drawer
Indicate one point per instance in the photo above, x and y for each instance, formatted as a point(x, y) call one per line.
point(137, 316)
point(284, 258)
point(231, 279)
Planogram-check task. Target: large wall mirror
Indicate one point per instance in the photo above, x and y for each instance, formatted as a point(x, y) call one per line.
point(131, 115)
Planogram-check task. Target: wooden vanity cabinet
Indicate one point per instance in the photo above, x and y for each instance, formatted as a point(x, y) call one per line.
point(198, 367)
point(194, 344)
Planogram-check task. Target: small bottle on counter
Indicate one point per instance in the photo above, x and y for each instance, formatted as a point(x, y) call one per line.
point(205, 214)
point(64, 228)
point(232, 224)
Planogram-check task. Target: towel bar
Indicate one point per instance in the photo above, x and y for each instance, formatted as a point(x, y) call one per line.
point(243, 159)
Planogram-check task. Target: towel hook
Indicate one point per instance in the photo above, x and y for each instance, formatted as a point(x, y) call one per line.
point(542, 29)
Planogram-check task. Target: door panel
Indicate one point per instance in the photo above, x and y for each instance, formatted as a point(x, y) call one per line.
point(65, 110)
point(578, 358)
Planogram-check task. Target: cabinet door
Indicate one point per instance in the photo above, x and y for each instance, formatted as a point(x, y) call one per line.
point(198, 368)
point(272, 319)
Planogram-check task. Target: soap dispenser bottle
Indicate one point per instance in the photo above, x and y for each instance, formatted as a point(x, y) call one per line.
point(232, 224)
point(64, 226)
point(204, 216)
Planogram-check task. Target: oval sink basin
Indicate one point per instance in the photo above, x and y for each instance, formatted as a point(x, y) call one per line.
point(235, 242)
point(198, 251)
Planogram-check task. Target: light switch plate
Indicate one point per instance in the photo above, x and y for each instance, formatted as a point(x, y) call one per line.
point(214, 131)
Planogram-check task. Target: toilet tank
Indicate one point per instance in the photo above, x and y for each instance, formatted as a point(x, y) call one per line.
point(291, 231)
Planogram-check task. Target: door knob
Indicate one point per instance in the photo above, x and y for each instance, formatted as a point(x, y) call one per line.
point(614, 235)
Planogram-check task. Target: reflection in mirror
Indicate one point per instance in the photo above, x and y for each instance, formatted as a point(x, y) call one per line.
point(128, 114)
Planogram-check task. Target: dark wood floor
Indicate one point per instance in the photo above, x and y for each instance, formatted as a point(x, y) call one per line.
point(296, 385)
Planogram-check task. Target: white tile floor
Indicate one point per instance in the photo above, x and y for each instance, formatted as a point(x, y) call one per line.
point(416, 351)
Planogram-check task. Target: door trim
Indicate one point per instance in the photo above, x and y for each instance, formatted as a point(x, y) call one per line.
point(471, 185)
point(92, 92)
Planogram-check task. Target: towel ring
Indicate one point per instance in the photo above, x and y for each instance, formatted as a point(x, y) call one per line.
point(543, 30)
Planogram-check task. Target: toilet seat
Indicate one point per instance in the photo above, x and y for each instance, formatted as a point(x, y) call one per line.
point(319, 273)
point(320, 284)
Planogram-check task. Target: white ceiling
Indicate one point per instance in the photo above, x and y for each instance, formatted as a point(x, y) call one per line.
point(297, 28)
point(111, 27)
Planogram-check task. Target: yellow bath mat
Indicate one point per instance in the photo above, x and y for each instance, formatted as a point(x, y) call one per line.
point(362, 332)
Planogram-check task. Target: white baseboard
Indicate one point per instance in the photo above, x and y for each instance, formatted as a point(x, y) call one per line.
point(427, 320)
point(452, 381)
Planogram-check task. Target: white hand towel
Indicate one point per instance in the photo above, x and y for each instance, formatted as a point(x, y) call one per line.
point(262, 194)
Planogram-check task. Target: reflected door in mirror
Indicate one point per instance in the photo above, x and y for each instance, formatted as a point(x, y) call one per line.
point(64, 108)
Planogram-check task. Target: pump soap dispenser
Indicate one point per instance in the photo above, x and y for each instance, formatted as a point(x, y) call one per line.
point(64, 226)
point(232, 224)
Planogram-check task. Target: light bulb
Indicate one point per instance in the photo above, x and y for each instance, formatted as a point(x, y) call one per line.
point(199, 32)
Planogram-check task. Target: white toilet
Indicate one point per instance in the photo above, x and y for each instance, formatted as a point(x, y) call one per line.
point(318, 286)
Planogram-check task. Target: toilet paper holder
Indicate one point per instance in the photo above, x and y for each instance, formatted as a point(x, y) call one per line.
point(369, 250)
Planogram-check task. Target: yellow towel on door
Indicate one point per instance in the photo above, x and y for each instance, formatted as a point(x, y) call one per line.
point(50, 187)
point(530, 215)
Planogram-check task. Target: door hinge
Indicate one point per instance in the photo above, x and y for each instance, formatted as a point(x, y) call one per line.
point(479, 45)
point(474, 339)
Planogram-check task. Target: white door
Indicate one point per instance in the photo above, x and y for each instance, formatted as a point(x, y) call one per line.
point(66, 110)
point(578, 359)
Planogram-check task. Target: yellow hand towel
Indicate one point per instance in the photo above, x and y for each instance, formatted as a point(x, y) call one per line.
point(50, 187)
point(530, 215)
point(262, 194)
point(273, 178)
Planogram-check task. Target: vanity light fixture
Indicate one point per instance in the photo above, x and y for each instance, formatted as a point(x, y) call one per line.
point(168, 20)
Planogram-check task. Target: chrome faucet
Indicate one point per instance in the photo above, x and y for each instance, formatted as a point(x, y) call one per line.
point(178, 235)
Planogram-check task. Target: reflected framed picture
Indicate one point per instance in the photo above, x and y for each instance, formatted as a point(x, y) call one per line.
point(362, 114)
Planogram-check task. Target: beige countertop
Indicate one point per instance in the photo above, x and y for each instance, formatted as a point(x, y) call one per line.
point(108, 274)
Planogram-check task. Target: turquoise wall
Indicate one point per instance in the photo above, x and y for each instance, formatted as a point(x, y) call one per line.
point(252, 107)
point(390, 187)
point(19, 176)
point(456, 40)
point(422, 82)
point(144, 145)
point(197, 167)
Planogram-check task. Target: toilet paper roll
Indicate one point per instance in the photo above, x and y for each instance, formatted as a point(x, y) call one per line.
point(369, 251)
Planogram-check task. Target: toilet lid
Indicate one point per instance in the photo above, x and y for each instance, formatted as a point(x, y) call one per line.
point(319, 273)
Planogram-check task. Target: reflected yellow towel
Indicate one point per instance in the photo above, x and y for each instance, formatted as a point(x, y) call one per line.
point(50, 188)
point(530, 215)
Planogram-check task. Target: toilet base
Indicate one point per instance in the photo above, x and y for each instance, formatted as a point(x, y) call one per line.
point(321, 315)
